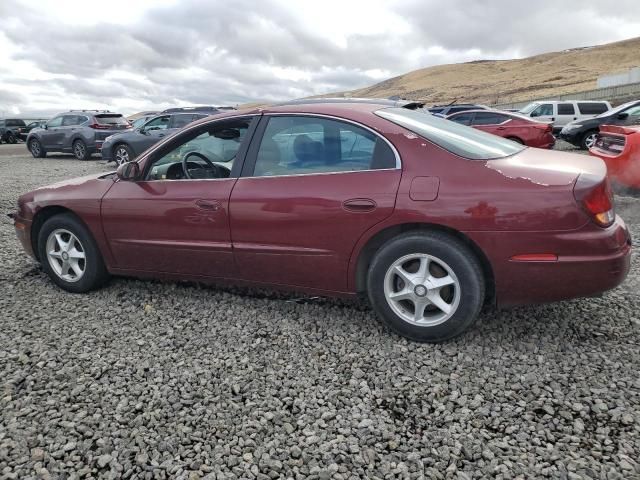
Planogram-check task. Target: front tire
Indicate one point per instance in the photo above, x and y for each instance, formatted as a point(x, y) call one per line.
point(123, 154)
point(80, 150)
point(36, 148)
point(11, 138)
point(69, 254)
point(426, 286)
point(589, 139)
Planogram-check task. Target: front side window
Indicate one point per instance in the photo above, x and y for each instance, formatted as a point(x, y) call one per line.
point(158, 123)
point(466, 142)
point(298, 145)
point(206, 152)
point(463, 118)
point(544, 110)
point(56, 122)
point(634, 115)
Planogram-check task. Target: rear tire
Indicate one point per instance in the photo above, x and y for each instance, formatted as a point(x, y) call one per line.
point(588, 139)
point(76, 268)
point(36, 148)
point(426, 286)
point(80, 150)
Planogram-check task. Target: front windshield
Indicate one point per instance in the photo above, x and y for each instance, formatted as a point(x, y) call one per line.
point(618, 109)
point(459, 139)
point(529, 108)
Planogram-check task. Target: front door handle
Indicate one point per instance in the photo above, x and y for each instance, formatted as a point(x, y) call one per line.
point(501, 128)
point(359, 205)
point(209, 205)
point(161, 134)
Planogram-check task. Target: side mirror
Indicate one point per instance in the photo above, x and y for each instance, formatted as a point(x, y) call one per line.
point(535, 114)
point(128, 171)
point(44, 126)
point(623, 115)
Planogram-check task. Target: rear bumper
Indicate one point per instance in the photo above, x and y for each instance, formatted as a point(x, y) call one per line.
point(590, 261)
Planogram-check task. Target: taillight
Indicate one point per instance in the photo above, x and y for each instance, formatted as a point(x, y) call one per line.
point(97, 126)
point(596, 198)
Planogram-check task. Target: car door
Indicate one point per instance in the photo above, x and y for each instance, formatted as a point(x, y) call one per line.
point(310, 188)
point(631, 116)
point(69, 129)
point(52, 136)
point(171, 222)
point(566, 114)
point(544, 112)
point(152, 132)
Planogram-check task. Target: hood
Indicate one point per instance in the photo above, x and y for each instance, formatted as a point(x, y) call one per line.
point(89, 188)
point(548, 167)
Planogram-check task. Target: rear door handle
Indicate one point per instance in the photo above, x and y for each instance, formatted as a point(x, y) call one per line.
point(161, 134)
point(359, 205)
point(209, 205)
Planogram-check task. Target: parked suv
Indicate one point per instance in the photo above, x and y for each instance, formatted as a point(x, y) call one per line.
point(583, 133)
point(10, 129)
point(562, 112)
point(80, 132)
point(126, 146)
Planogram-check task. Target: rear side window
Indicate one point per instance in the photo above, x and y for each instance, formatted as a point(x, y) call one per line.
point(592, 108)
point(300, 145)
point(566, 109)
point(461, 140)
point(70, 120)
point(489, 118)
point(179, 121)
point(111, 119)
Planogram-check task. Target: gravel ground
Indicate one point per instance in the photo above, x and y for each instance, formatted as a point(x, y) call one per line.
point(164, 380)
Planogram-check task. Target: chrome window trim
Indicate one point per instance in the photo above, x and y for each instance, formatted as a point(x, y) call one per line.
point(322, 173)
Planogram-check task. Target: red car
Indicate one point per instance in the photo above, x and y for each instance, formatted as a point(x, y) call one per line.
point(619, 147)
point(429, 218)
point(515, 127)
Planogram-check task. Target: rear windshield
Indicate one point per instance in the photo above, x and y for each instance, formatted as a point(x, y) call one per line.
point(459, 139)
point(111, 119)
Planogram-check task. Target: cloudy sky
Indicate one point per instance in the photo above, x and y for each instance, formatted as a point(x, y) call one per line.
point(132, 55)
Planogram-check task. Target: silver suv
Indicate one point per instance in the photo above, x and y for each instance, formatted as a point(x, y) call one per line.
point(81, 132)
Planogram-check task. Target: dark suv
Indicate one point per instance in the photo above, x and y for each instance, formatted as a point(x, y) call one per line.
point(124, 147)
point(81, 132)
point(10, 129)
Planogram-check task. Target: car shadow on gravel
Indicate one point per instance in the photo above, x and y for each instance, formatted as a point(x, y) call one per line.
point(556, 324)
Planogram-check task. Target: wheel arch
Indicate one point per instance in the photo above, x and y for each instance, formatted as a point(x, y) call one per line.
point(42, 216)
point(380, 238)
point(517, 139)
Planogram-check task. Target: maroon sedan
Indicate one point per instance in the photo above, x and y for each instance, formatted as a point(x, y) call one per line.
point(518, 128)
point(429, 218)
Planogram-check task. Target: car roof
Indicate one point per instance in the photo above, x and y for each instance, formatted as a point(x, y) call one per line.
point(410, 104)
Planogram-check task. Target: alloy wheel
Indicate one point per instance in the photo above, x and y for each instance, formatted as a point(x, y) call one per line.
point(35, 148)
point(122, 156)
point(79, 150)
point(590, 141)
point(66, 255)
point(422, 289)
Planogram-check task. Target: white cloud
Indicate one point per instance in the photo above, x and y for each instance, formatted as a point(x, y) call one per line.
point(133, 55)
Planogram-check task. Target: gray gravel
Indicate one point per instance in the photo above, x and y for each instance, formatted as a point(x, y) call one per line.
point(165, 380)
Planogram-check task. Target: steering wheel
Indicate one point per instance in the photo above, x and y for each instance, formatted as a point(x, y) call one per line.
point(219, 172)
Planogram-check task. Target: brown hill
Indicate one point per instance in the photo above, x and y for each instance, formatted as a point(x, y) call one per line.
point(503, 81)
